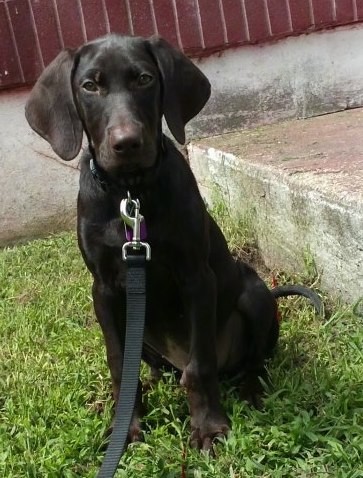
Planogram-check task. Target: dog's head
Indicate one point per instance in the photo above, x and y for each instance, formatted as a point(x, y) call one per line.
point(117, 89)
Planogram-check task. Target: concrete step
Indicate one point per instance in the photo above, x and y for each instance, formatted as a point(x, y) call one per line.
point(300, 182)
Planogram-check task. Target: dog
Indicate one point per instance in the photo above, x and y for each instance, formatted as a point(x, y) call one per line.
point(207, 314)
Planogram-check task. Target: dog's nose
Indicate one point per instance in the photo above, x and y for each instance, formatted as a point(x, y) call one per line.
point(125, 139)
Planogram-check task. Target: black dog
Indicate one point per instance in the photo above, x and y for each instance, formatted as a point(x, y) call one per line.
point(206, 313)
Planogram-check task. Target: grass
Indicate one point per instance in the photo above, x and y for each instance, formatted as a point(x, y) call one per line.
point(55, 400)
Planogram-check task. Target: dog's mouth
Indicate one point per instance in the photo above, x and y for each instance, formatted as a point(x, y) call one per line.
point(120, 164)
point(136, 167)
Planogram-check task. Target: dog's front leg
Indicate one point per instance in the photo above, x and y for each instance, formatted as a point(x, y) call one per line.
point(110, 309)
point(200, 378)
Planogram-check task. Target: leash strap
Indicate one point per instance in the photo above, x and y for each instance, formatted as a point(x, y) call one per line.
point(135, 320)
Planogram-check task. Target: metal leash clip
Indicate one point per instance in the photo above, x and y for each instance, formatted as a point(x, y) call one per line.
point(130, 214)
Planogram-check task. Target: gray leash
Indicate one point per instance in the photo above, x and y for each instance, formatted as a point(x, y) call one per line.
point(135, 320)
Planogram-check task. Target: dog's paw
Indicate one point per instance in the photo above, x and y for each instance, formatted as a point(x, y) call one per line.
point(205, 435)
point(253, 399)
point(252, 391)
point(135, 432)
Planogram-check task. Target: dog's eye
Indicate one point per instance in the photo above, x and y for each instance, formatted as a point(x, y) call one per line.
point(144, 79)
point(89, 86)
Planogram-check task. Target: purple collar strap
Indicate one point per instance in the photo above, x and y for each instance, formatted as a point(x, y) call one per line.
point(129, 232)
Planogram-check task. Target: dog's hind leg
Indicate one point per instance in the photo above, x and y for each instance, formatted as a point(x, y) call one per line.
point(258, 310)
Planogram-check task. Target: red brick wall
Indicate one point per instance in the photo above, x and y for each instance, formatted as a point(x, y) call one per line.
point(32, 32)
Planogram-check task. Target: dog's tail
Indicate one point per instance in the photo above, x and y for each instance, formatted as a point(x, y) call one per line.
point(288, 290)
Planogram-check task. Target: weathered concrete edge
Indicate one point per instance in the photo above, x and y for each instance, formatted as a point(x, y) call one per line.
point(292, 222)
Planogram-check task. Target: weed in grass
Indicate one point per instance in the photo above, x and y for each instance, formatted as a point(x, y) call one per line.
point(55, 400)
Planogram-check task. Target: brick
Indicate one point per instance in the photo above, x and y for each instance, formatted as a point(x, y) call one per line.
point(279, 17)
point(323, 12)
point(118, 17)
point(9, 68)
point(359, 9)
point(94, 18)
point(300, 15)
point(211, 20)
point(46, 28)
point(165, 20)
point(345, 12)
point(71, 23)
point(141, 17)
point(188, 25)
point(257, 20)
point(23, 29)
point(235, 22)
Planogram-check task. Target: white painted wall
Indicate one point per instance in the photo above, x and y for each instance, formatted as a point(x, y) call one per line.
point(295, 77)
point(37, 190)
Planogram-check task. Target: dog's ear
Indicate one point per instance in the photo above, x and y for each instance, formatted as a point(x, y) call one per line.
point(50, 109)
point(185, 88)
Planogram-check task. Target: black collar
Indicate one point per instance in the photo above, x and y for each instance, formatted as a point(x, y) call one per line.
point(97, 173)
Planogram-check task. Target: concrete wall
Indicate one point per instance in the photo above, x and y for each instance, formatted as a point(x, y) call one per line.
point(37, 191)
point(295, 77)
